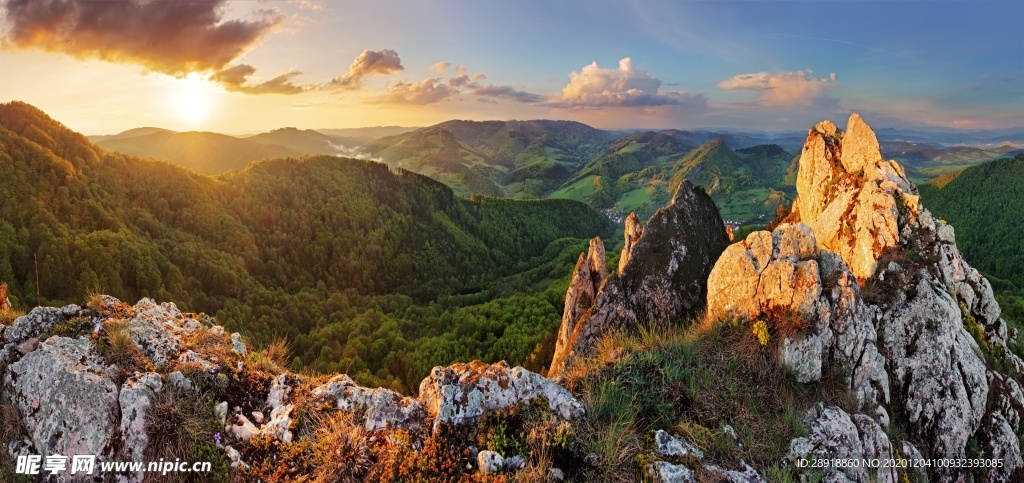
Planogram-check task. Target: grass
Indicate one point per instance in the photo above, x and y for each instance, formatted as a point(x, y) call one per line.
point(115, 344)
point(691, 382)
point(8, 316)
point(182, 426)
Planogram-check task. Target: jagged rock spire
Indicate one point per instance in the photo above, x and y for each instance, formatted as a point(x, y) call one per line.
point(664, 278)
point(587, 277)
point(632, 233)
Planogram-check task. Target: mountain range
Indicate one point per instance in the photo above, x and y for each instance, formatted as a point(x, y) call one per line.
point(617, 171)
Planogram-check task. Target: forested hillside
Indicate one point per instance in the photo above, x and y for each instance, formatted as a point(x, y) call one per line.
point(330, 250)
point(986, 205)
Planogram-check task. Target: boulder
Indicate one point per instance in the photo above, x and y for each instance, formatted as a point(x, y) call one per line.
point(462, 393)
point(32, 325)
point(377, 408)
point(665, 472)
point(668, 446)
point(68, 403)
point(663, 279)
point(835, 434)
point(137, 395)
point(490, 462)
point(151, 330)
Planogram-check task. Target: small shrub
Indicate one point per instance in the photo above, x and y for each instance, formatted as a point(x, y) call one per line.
point(761, 332)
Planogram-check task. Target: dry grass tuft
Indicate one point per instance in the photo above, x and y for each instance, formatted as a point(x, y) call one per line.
point(12, 427)
point(273, 358)
point(342, 451)
point(115, 344)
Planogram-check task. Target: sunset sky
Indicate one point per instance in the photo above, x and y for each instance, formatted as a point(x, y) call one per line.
point(250, 66)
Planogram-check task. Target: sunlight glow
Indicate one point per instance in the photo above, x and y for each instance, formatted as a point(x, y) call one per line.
point(192, 99)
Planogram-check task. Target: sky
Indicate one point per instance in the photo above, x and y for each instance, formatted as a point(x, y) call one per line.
point(102, 67)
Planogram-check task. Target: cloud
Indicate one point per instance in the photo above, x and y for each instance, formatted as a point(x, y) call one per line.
point(370, 62)
point(233, 79)
point(508, 92)
point(428, 91)
point(448, 82)
point(594, 87)
point(170, 37)
point(788, 89)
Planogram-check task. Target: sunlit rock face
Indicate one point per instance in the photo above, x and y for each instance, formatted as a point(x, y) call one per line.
point(663, 277)
point(889, 298)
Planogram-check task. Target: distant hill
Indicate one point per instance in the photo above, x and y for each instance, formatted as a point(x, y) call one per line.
point(639, 173)
point(510, 158)
point(358, 136)
point(204, 152)
point(986, 205)
point(304, 141)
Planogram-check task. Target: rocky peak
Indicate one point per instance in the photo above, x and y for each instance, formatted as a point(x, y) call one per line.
point(587, 277)
point(663, 279)
point(850, 196)
point(632, 233)
point(888, 300)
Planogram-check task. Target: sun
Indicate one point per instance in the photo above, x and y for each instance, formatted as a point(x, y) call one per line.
point(192, 100)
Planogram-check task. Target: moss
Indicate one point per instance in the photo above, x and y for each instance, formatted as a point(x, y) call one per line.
point(73, 327)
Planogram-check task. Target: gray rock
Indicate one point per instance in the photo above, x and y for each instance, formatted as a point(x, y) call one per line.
point(556, 474)
point(31, 325)
point(490, 462)
point(665, 472)
point(464, 392)
point(378, 408)
point(668, 446)
point(834, 434)
point(136, 397)
point(664, 278)
point(221, 411)
point(935, 362)
point(747, 475)
point(150, 332)
point(278, 401)
point(69, 406)
point(178, 381)
point(236, 343)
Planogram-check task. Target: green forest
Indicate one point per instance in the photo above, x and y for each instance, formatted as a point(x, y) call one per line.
point(378, 273)
point(985, 205)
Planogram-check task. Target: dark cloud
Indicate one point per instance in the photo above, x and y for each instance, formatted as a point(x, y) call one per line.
point(233, 79)
point(370, 62)
point(171, 37)
point(508, 92)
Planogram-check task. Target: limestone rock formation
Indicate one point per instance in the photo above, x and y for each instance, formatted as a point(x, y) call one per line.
point(890, 300)
point(463, 392)
point(663, 278)
point(73, 400)
point(379, 408)
point(783, 274)
point(850, 196)
point(633, 232)
point(68, 403)
point(836, 435)
point(586, 281)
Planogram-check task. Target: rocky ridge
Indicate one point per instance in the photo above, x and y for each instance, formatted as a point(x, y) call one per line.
point(77, 393)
